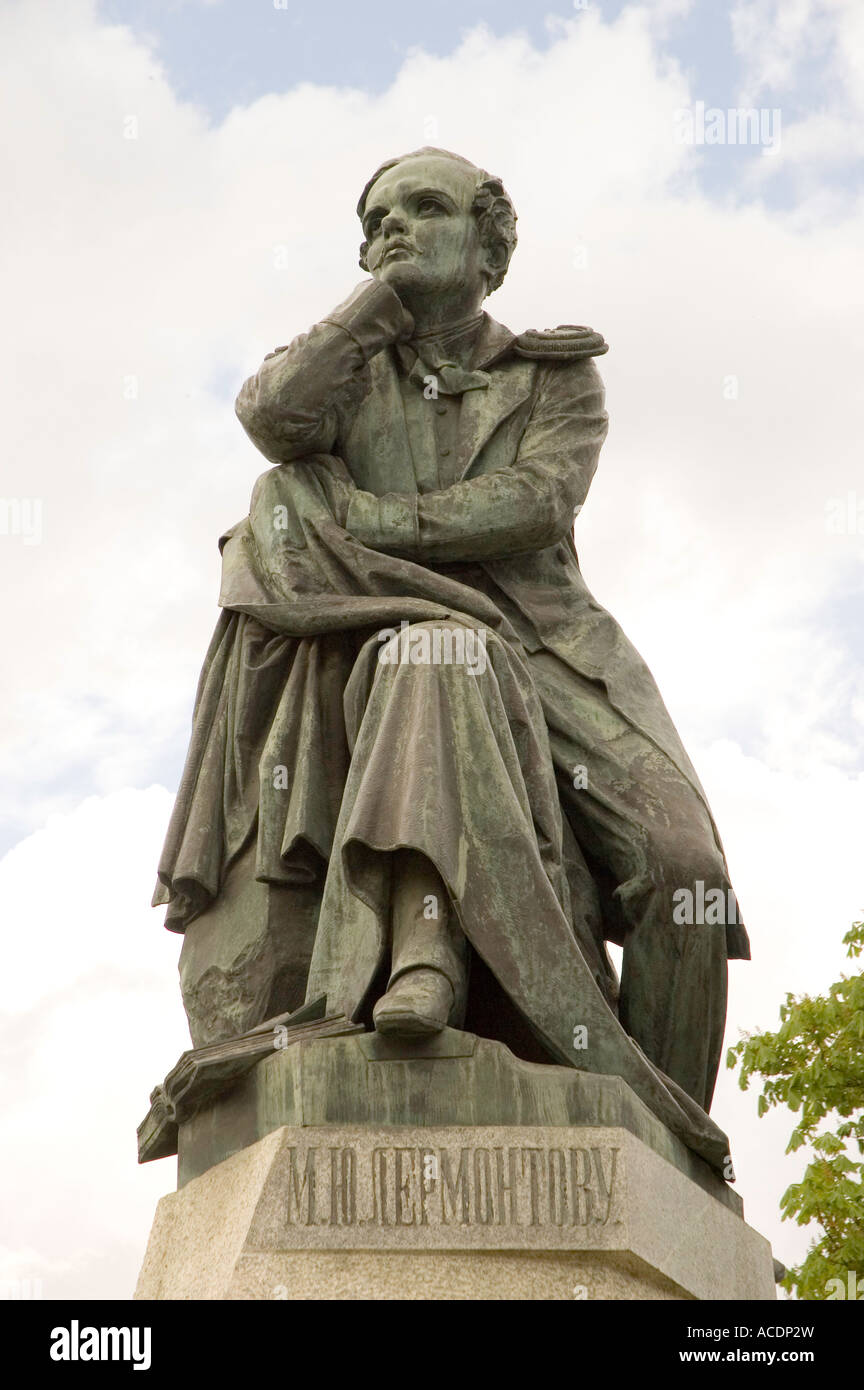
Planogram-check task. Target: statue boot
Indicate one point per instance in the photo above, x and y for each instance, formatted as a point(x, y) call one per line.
point(429, 962)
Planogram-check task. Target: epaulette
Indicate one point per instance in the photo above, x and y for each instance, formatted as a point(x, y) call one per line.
point(564, 343)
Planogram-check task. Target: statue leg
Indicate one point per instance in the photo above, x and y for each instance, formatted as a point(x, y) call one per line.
point(673, 995)
point(428, 976)
point(450, 759)
point(647, 835)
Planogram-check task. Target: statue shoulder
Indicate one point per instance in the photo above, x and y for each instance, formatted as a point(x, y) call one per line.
point(565, 343)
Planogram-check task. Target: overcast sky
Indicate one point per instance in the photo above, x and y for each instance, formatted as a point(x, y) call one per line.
point(180, 182)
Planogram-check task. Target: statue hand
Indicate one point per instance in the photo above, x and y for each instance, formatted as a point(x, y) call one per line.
point(373, 315)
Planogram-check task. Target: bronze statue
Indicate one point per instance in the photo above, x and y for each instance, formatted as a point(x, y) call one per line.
point(429, 776)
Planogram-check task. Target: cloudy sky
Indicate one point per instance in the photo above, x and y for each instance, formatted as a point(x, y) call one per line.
point(180, 179)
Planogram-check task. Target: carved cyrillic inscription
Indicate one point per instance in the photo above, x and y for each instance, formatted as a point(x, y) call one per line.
point(393, 1186)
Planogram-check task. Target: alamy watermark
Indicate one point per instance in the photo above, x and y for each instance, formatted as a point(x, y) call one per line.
point(694, 907)
point(852, 1289)
point(24, 1289)
point(22, 517)
point(736, 125)
point(422, 645)
point(844, 516)
point(77, 1343)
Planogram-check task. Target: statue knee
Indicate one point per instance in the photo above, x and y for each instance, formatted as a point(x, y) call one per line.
point(692, 875)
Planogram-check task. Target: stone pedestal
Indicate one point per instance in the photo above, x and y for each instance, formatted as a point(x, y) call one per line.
point(316, 1177)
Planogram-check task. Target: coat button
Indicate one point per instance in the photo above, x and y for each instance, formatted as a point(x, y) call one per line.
point(444, 453)
point(440, 410)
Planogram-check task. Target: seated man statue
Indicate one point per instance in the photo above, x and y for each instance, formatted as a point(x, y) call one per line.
point(429, 776)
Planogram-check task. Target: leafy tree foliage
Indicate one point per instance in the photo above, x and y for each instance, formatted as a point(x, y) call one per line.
point(814, 1064)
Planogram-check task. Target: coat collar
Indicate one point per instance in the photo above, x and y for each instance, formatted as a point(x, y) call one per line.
point(493, 341)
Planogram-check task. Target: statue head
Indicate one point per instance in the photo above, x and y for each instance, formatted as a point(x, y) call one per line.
point(436, 226)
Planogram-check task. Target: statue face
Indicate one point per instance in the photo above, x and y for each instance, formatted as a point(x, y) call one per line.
point(422, 236)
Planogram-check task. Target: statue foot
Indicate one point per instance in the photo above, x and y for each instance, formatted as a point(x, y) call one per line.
point(417, 1004)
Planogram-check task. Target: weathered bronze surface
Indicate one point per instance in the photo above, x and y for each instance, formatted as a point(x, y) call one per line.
point(429, 776)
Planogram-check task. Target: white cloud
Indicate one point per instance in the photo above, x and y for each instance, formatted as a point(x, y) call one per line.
point(806, 54)
point(150, 263)
point(90, 1020)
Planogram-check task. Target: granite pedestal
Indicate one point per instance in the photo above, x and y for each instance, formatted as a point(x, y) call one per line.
point(362, 1168)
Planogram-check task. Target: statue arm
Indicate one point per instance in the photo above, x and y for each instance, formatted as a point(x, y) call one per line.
point(291, 407)
point(524, 507)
